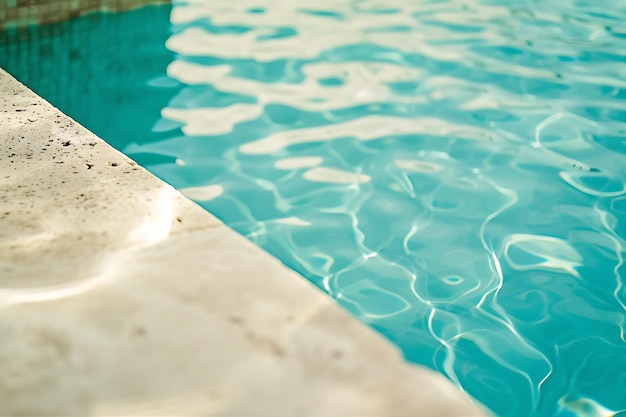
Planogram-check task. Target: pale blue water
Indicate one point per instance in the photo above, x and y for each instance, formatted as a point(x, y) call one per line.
point(459, 181)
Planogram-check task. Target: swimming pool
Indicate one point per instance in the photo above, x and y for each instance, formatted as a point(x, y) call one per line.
point(451, 172)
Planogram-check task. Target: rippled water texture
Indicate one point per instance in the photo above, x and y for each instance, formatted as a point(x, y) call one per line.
point(452, 172)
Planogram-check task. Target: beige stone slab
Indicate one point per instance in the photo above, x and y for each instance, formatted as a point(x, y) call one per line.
point(118, 296)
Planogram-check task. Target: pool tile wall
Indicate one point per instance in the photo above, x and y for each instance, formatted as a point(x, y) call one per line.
point(54, 59)
point(21, 13)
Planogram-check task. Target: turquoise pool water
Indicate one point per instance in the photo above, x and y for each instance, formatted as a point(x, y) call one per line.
point(451, 172)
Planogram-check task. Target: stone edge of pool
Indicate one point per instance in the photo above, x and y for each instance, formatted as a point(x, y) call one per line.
point(119, 296)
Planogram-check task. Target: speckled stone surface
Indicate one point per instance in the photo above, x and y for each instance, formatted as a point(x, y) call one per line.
point(118, 296)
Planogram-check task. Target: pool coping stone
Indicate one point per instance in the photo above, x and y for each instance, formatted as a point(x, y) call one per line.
point(119, 296)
